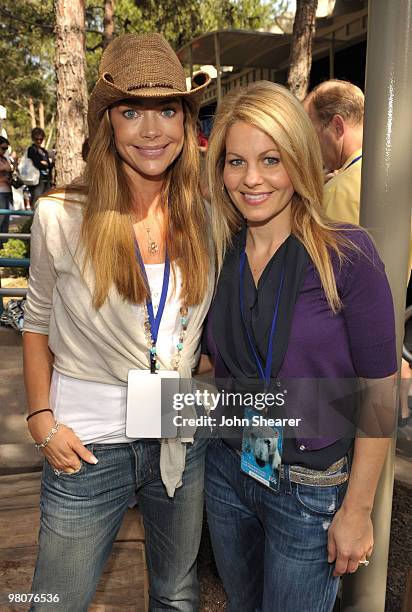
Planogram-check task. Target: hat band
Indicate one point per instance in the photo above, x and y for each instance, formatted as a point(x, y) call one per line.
point(150, 85)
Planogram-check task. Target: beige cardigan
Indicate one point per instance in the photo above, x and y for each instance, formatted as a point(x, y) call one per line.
point(100, 346)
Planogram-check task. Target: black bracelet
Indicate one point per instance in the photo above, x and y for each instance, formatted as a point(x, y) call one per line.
point(38, 412)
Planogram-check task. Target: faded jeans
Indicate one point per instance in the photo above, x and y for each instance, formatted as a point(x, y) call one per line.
point(270, 547)
point(6, 201)
point(81, 514)
point(38, 190)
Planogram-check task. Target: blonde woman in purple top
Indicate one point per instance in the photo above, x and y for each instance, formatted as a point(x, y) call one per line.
point(302, 320)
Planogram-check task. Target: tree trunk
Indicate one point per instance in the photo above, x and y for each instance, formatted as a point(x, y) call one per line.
point(108, 22)
point(41, 114)
point(32, 113)
point(71, 89)
point(301, 49)
point(50, 134)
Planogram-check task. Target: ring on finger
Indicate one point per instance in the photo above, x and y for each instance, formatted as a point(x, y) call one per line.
point(364, 562)
point(56, 471)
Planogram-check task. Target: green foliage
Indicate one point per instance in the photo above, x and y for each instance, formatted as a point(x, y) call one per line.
point(26, 69)
point(179, 21)
point(15, 249)
point(27, 42)
point(26, 229)
point(184, 20)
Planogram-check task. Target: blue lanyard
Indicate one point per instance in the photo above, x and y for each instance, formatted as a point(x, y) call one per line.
point(154, 320)
point(264, 372)
point(354, 161)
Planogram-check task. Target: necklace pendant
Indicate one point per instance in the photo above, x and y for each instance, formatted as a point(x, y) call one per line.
point(152, 248)
point(153, 363)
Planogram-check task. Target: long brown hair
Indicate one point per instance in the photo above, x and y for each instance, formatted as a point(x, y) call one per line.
point(107, 238)
point(274, 110)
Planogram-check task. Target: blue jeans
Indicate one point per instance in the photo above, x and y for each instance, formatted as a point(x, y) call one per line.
point(38, 190)
point(6, 201)
point(81, 514)
point(270, 547)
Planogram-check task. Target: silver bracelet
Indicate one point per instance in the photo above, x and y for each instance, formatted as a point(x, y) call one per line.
point(49, 437)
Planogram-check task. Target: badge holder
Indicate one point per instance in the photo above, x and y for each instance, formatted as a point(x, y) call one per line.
point(262, 447)
point(262, 444)
point(149, 412)
point(150, 404)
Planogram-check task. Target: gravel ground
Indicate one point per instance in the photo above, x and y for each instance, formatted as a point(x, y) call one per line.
point(212, 595)
point(400, 553)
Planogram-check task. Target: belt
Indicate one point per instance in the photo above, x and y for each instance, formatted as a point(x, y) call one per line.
point(316, 478)
point(319, 478)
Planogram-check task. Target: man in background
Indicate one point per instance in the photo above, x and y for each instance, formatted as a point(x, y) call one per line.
point(336, 109)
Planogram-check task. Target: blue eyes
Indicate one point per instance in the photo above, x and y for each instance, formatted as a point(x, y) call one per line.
point(268, 161)
point(133, 114)
point(129, 114)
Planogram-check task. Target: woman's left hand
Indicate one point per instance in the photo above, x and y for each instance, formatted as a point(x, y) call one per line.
point(350, 539)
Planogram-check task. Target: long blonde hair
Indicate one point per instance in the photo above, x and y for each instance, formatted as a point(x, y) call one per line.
point(107, 238)
point(274, 110)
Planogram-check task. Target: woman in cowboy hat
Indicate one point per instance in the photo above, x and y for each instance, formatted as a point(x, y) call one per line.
point(120, 281)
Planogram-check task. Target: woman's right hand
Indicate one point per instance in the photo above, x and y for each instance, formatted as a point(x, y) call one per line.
point(65, 449)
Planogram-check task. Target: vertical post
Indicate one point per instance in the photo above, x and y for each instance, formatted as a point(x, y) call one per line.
point(217, 63)
point(332, 57)
point(386, 213)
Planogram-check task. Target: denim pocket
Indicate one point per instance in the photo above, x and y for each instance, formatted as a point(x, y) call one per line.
point(318, 500)
point(199, 444)
point(66, 474)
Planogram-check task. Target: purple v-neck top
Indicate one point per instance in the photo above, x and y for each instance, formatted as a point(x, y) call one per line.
point(359, 341)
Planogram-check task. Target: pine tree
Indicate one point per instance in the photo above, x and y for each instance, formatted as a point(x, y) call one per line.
point(301, 48)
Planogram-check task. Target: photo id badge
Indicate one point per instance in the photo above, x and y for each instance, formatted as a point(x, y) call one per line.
point(150, 404)
point(262, 446)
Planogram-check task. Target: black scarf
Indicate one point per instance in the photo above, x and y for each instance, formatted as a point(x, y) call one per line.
point(259, 303)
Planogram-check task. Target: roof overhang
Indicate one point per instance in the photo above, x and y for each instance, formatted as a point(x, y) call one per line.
point(243, 49)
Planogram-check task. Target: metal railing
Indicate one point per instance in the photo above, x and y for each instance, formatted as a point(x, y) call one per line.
point(13, 262)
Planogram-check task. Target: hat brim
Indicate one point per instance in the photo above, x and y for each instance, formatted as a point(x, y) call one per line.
point(105, 94)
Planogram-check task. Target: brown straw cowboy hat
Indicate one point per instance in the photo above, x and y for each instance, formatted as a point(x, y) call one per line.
point(140, 66)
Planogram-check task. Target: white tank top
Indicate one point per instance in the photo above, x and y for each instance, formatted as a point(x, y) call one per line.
point(96, 411)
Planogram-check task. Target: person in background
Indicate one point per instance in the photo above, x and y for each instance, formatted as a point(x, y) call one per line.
point(42, 162)
point(6, 194)
point(336, 109)
point(202, 140)
point(26, 198)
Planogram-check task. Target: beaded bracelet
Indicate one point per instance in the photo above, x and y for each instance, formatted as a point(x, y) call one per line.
point(45, 442)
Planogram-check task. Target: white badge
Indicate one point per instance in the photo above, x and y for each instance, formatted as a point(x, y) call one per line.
point(150, 404)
